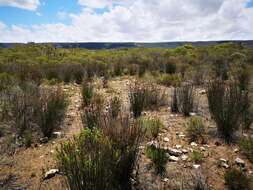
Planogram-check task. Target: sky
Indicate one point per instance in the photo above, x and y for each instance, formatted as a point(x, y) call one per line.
point(125, 20)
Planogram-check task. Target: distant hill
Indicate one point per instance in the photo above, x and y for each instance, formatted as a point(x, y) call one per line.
point(117, 45)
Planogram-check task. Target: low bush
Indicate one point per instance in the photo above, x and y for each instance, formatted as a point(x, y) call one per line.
point(158, 158)
point(115, 107)
point(195, 128)
point(169, 80)
point(196, 182)
point(174, 102)
point(103, 157)
point(137, 99)
point(154, 96)
point(52, 108)
point(236, 179)
point(91, 116)
point(152, 126)
point(196, 156)
point(226, 105)
point(87, 93)
point(246, 145)
point(186, 99)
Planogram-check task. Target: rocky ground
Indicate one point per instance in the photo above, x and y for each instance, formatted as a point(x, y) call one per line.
point(28, 168)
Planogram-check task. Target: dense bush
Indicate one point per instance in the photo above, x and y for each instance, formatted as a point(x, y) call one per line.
point(169, 79)
point(103, 157)
point(137, 99)
point(174, 102)
point(226, 105)
point(115, 107)
point(195, 128)
point(246, 145)
point(158, 158)
point(186, 98)
point(152, 126)
point(237, 180)
point(87, 93)
point(52, 108)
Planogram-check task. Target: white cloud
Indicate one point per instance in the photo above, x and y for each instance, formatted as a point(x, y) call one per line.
point(31, 5)
point(142, 20)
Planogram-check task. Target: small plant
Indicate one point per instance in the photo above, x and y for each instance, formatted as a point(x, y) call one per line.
point(237, 180)
point(169, 80)
point(196, 156)
point(28, 139)
point(246, 145)
point(152, 126)
point(158, 157)
point(186, 99)
point(53, 104)
point(195, 129)
point(115, 107)
point(137, 99)
point(226, 105)
point(174, 102)
point(196, 182)
point(87, 93)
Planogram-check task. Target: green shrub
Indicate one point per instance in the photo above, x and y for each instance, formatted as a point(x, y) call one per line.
point(169, 80)
point(28, 139)
point(196, 156)
point(226, 105)
point(91, 116)
point(158, 158)
point(246, 145)
point(186, 99)
point(87, 93)
point(152, 126)
point(174, 102)
point(237, 180)
point(137, 99)
point(53, 104)
point(103, 157)
point(115, 107)
point(195, 128)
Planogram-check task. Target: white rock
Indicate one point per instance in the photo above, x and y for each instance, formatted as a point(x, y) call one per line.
point(206, 146)
point(224, 165)
point(178, 146)
point(202, 92)
point(194, 144)
point(202, 149)
point(196, 166)
point(153, 143)
point(239, 162)
point(175, 152)
point(236, 150)
point(223, 160)
point(57, 134)
point(173, 158)
point(184, 157)
point(192, 114)
point(166, 139)
point(165, 179)
point(51, 173)
point(185, 151)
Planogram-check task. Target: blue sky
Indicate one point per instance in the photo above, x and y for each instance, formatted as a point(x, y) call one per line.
point(125, 20)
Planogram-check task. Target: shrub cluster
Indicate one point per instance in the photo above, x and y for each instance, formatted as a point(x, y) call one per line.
point(246, 145)
point(152, 126)
point(195, 128)
point(227, 104)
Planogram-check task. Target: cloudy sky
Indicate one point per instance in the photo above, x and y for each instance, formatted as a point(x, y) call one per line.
point(125, 20)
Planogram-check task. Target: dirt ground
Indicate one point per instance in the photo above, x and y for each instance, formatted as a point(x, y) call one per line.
point(25, 168)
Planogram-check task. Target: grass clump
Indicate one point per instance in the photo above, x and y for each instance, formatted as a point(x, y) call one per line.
point(152, 126)
point(235, 179)
point(158, 158)
point(226, 105)
point(115, 107)
point(137, 99)
point(196, 156)
point(195, 128)
point(102, 157)
point(246, 145)
point(87, 93)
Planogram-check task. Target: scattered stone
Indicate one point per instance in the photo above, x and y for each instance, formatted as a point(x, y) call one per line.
point(250, 172)
point(196, 166)
point(166, 139)
point(178, 146)
point(224, 165)
point(173, 158)
point(175, 152)
point(236, 150)
point(165, 179)
point(192, 114)
point(141, 147)
point(184, 157)
point(51, 173)
point(202, 149)
point(206, 146)
point(194, 144)
point(153, 143)
point(44, 140)
point(185, 151)
point(202, 92)
point(239, 162)
point(223, 160)
point(57, 134)
point(52, 151)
